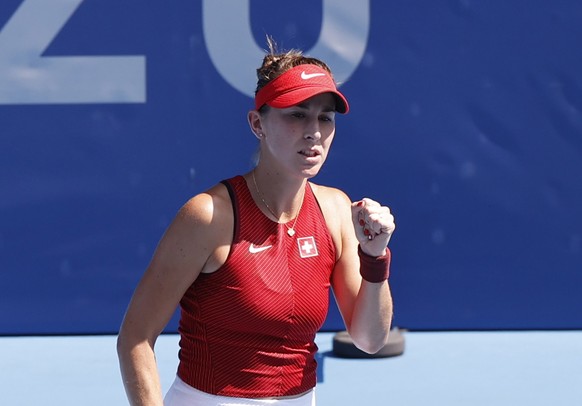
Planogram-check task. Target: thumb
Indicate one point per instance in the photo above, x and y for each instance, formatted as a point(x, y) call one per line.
point(357, 208)
point(357, 218)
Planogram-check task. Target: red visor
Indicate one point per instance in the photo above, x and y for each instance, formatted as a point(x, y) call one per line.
point(299, 84)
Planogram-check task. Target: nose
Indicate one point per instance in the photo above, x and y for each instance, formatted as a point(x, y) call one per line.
point(313, 135)
point(312, 131)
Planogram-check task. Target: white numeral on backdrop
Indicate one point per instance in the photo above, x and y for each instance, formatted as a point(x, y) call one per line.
point(28, 77)
point(235, 53)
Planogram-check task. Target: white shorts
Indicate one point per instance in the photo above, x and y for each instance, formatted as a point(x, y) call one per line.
point(182, 394)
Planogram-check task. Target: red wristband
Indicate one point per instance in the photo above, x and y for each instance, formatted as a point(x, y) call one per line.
point(374, 269)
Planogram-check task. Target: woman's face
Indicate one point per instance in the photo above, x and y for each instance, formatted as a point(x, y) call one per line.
point(298, 138)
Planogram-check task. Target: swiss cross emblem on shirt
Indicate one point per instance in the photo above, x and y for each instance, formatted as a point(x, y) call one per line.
point(307, 247)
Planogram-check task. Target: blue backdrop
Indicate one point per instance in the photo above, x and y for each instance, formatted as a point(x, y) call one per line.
point(466, 120)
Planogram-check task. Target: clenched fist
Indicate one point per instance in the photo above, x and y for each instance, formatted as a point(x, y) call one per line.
point(374, 225)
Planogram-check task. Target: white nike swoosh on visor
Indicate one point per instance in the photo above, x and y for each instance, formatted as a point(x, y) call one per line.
point(306, 76)
point(254, 250)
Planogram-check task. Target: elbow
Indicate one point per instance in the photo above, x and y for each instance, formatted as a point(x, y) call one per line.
point(121, 344)
point(130, 340)
point(127, 340)
point(371, 345)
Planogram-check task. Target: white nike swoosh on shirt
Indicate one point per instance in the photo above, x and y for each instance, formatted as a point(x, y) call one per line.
point(306, 76)
point(254, 250)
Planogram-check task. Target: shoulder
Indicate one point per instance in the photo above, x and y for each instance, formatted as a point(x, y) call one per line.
point(336, 208)
point(207, 218)
point(200, 229)
point(206, 208)
point(330, 197)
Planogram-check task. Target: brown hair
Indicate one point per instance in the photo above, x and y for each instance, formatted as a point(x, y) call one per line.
point(276, 63)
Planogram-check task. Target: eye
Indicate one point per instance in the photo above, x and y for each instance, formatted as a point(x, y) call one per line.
point(326, 118)
point(297, 114)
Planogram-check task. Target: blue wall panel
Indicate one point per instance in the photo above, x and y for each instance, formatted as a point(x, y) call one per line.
point(466, 119)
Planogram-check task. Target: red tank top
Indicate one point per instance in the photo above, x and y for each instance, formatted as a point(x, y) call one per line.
point(248, 329)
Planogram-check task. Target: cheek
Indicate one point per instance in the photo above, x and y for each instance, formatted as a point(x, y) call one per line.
point(279, 144)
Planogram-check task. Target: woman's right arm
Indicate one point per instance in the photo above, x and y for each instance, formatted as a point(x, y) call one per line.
point(182, 253)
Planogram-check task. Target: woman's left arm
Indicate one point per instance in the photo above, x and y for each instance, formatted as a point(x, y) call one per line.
point(362, 232)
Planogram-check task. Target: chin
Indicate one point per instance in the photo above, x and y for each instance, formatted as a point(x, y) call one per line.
point(311, 172)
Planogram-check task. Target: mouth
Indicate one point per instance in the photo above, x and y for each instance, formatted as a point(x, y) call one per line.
point(309, 153)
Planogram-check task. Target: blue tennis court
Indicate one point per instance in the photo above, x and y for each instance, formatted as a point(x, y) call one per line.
point(437, 368)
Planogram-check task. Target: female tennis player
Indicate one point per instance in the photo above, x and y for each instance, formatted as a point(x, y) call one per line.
point(251, 260)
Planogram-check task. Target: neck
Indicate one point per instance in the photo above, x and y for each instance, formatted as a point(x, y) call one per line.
point(280, 198)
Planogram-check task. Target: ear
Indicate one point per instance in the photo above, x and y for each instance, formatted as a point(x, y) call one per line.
point(254, 119)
